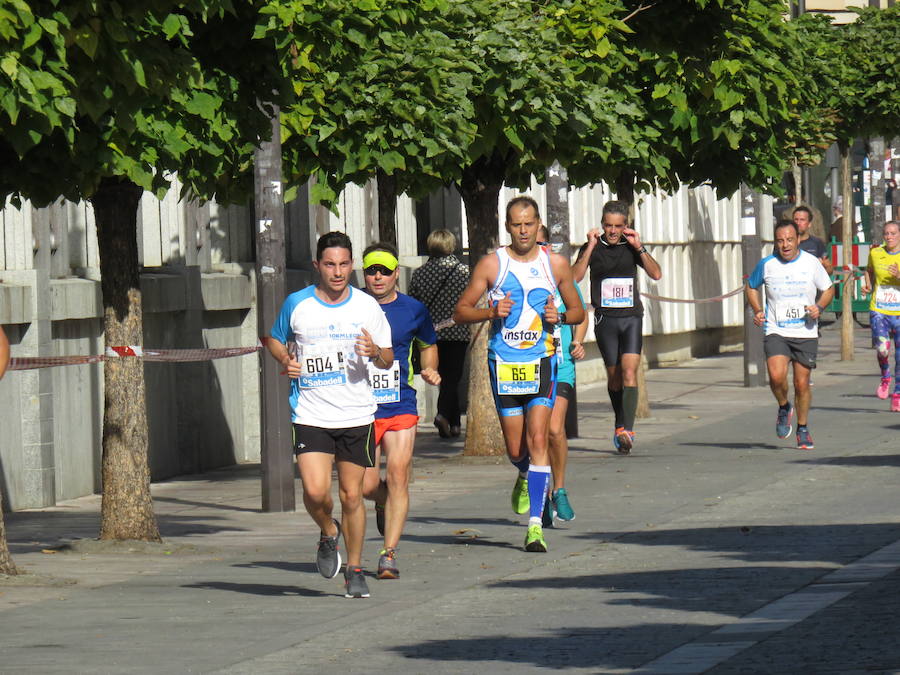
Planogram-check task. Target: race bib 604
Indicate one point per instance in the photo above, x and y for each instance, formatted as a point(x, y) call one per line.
point(322, 369)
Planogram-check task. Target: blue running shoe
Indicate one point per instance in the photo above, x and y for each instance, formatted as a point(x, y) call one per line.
point(783, 424)
point(562, 506)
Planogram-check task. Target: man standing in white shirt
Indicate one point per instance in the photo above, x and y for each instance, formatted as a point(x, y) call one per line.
point(792, 278)
point(325, 336)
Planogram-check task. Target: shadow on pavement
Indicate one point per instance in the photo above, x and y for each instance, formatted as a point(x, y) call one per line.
point(574, 647)
point(32, 531)
point(210, 505)
point(465, 539)
point(734, 446)
point(302, 567)
point(838, 544)
point(733, 591)
point(856, 460)
point(259, 589)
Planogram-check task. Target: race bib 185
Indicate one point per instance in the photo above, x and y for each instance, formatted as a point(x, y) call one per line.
point(385, 383)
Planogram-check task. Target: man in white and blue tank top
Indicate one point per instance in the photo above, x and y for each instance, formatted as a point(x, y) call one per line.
point(521, 280)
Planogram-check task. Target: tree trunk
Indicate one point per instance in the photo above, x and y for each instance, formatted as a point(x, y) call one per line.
point(625, 193)
point(847, 243)
point(480, 190)
point(7, 566)
point(127, 508)
point(387, 208)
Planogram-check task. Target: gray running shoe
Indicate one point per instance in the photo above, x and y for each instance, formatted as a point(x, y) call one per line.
point(355, 583)
point(804, 439)
point(387, 565)
point(328, 555)
point(783, 424)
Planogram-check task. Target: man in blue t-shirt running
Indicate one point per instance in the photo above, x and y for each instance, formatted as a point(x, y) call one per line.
point(397, 416)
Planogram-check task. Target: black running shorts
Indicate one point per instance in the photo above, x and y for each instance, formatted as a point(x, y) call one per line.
point(354, 444)
point(565, 390)
point(617, 335)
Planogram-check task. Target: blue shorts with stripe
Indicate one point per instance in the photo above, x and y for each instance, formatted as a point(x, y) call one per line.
point(512, 405)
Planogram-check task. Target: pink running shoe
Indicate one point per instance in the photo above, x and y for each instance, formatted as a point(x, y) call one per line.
point(895, 403)
point(883, 388)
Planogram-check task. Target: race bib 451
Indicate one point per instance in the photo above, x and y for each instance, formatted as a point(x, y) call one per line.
point(790, 315)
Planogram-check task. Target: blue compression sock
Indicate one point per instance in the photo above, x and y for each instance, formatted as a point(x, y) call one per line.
point(538, 482)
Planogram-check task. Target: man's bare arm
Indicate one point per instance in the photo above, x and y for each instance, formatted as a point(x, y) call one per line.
point(482, 279)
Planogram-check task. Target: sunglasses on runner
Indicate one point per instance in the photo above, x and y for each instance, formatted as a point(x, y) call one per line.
point(372, 270)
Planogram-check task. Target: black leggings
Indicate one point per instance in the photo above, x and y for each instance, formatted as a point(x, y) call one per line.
point(451, 358)
point(617, 335)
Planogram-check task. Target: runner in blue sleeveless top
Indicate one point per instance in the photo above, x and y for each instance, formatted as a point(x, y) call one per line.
point(397, 414)
point(520, 281)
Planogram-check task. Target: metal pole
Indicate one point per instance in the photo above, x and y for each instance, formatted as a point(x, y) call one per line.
point(751, 253)
point(275, 423)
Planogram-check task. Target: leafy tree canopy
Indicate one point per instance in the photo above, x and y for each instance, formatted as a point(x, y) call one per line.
point(423, 90)
point(681, 91)
point(716, 92)
point(99, 88)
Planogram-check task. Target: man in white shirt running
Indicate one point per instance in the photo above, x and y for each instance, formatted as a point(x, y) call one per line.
point(792, 278)
point(325, 336)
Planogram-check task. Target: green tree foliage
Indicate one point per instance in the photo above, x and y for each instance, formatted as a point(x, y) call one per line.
point(478, 93)
point(100, 100)
point(713, 90)
point(133, 90)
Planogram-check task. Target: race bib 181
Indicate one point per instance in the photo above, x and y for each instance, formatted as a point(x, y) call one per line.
point(617, 292)
point(385, 383)
point(322, 369)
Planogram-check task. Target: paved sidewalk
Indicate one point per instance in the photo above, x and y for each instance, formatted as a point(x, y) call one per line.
point(714, 547)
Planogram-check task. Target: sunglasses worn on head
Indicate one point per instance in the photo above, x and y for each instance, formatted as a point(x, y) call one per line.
point(372, 270)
